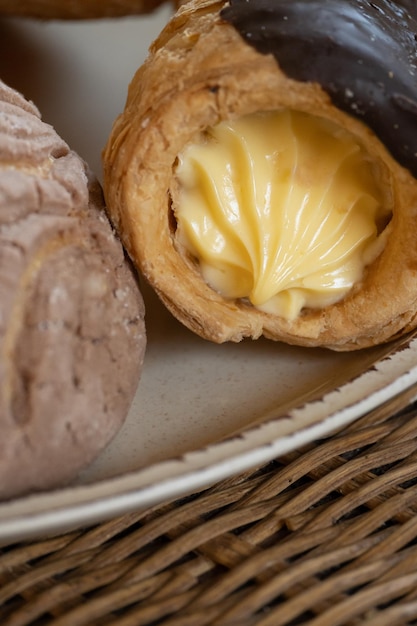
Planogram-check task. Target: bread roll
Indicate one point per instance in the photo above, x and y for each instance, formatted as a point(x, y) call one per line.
point(72, 334)
point(263, 173)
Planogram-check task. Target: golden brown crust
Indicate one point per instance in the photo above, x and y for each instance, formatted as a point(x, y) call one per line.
point(76, 9)
point(200, 72)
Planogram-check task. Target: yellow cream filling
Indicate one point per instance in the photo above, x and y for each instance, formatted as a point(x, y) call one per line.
point(281, 208)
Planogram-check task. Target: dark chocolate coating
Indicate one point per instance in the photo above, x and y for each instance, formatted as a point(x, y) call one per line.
point(362, 53)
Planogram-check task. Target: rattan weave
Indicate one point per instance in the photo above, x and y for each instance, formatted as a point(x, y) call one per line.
point(326, 535)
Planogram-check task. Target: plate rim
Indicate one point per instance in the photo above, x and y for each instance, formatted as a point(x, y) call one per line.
point(35, 515)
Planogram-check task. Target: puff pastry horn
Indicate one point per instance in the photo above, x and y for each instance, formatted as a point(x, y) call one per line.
point(219, 73)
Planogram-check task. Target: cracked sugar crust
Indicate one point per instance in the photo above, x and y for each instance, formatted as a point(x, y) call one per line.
point(77, 9)
point(72, 333)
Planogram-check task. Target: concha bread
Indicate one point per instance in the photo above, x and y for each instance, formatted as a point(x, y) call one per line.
point(72, 334)
point(76, 9)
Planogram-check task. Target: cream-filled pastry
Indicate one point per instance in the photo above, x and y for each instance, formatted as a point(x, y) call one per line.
point(263, 173)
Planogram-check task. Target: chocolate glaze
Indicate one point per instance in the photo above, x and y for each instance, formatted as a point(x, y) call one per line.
point(362, 53)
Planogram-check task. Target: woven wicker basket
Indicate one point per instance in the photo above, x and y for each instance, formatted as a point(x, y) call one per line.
point(323, 536)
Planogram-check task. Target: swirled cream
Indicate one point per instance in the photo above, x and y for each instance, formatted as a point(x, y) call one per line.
point(280, 208)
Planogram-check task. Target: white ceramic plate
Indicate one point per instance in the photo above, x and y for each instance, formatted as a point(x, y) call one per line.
point(202, 412)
